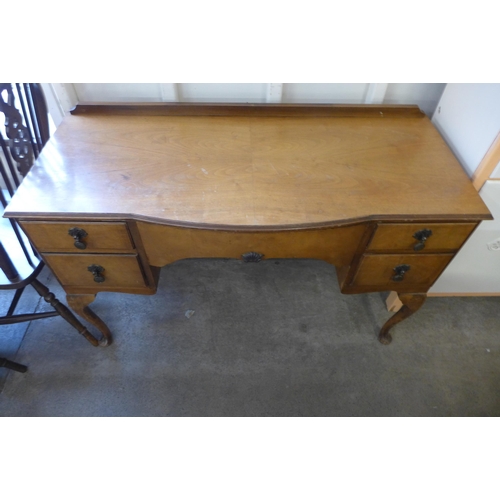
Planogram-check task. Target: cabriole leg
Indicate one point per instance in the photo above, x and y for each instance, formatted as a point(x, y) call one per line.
point(80, 304)
point(412, 302)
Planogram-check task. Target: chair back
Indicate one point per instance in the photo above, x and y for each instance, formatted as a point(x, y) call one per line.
point(24, 130)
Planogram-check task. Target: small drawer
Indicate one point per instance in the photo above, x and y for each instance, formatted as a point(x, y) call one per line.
point(99, 237)
point(118, 271)
point(420, 238)
point(384, 271)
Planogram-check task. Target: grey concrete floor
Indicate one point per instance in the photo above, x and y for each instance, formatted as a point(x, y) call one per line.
point(270, 339)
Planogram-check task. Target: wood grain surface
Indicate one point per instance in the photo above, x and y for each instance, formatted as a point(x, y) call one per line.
point(120, 271)
point(399, 237)
point(166, 244)
point(101, 237)
point(244, 109)
point(244, 171)
point(378, 270)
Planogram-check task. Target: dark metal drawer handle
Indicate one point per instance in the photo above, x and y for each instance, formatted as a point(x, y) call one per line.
point(421, 236)
point(78, 234)
point(97, 272)
point(400, 272)
point(252, 257)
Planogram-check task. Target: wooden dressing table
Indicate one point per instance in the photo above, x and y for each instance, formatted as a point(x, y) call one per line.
point(121, 190)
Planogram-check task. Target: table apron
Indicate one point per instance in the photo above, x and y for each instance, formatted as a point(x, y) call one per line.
point(165, 244)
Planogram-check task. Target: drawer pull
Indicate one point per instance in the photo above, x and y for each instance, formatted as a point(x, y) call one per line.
point(400, 272)
point(421, 236)
point(78, 234)
point(252, 257)
point(97, 272)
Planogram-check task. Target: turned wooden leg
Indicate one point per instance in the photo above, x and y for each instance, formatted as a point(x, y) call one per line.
point(412, 302)
point(65, 313)
point(79, 304)
point(5, 363)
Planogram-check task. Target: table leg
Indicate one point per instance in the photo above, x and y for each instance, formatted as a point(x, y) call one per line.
point(80, 304)
point(412, 302)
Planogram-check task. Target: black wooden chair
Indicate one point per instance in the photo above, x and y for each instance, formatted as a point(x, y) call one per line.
point(25, 132)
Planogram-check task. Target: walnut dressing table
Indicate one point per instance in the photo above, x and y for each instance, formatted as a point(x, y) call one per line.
point(121, 190)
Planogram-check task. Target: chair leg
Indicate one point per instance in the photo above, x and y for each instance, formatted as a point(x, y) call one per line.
point(5, 363)
point(15, 301)
point(49, 297)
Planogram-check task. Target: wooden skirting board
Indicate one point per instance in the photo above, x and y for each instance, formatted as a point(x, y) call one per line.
point(463, 294)
point(394, 304)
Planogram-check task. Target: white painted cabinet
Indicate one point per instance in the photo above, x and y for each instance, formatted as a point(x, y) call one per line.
point(468, 117)
point(476, 267)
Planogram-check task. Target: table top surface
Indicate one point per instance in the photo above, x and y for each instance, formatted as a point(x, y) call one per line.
point(245, 170)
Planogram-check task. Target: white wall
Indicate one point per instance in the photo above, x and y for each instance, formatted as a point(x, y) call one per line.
point(468, 117)
point(426, 95)
point(222, 92)
point(60, 98)
point(112, 92)
point(349, 93)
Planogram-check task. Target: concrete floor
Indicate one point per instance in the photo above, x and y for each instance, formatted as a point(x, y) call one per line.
point(270, 339)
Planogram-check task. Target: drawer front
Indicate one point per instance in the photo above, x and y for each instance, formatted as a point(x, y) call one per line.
point(445, 237)
point(119, 271)
point(165, 244)
point(101, 237)
point(378, 270)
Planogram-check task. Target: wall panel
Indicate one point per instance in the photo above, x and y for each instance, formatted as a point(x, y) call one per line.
point(425, 95)
point(353, 93)
point(118, 92)
point(222, 92)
